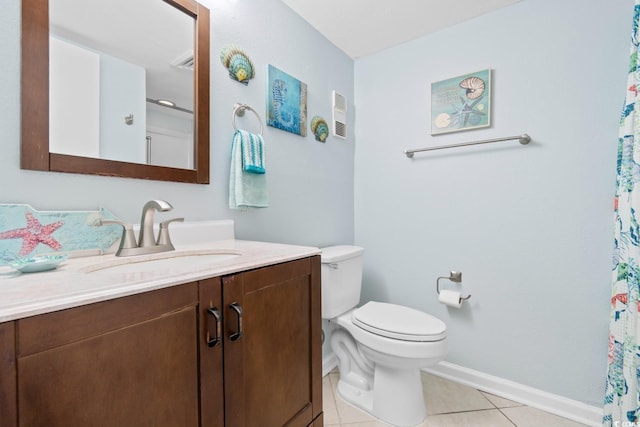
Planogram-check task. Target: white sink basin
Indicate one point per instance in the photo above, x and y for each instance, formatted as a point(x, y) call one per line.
point(163, 262)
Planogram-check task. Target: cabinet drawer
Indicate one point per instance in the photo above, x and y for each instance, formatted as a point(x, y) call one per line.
point(256, 279)
point(46, 331)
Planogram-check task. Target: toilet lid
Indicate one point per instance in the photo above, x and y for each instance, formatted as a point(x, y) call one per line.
point(398, 322)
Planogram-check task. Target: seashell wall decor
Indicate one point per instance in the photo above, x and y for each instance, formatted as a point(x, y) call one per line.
point(240, 66)
point(474, 87)
point(320, 128)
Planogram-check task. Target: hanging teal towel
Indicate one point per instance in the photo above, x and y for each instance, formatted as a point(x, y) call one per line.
point(246, 190)
point(252, 151)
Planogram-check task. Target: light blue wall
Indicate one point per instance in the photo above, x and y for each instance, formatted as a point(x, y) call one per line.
point(529, 227)
point(310, 184)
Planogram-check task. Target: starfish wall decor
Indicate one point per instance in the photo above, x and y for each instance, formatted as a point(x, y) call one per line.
point(25, 231)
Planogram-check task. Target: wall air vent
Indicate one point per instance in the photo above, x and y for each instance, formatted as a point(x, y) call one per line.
point(185, 61)
point(339, 115)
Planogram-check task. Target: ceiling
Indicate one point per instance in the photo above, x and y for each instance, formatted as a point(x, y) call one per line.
point(359, 29)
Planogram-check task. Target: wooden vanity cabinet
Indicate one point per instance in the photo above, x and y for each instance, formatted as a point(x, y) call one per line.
point(239, 351)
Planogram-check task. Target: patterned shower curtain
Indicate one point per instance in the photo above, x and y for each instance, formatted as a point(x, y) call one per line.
point(622, 402)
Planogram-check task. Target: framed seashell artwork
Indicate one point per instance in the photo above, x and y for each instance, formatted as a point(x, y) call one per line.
point(461, 103)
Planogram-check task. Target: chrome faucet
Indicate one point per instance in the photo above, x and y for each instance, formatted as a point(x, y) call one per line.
point(146, 238)
point(147, 243)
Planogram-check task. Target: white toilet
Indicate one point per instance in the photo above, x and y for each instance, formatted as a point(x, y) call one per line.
point(380, 347)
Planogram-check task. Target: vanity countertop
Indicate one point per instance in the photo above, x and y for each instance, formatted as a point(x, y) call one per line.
point(80, 281)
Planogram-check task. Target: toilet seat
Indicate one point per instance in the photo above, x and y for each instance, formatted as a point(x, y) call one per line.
point(399, 322)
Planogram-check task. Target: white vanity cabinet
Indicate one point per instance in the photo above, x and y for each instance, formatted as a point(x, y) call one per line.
point(239, 350)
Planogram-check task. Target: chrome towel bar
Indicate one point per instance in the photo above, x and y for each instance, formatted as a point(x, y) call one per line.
point(524, 139)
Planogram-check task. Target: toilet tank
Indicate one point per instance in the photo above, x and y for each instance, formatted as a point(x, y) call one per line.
point(341, 270)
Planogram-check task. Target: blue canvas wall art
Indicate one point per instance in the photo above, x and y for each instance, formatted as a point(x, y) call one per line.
point(286, 102)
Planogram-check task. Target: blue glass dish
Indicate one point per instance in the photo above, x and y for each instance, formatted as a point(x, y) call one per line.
point(38, 263)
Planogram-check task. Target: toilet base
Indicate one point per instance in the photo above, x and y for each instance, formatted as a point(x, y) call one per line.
point(381, 375)
point(396, 397)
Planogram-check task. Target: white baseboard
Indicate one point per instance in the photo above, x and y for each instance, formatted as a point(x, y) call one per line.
point(329, 362)
point(552, 403)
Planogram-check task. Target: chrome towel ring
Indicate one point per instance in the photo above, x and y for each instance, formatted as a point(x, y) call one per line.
point(239, 109)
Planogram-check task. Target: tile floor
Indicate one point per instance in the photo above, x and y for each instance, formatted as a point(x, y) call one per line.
point(448, 405)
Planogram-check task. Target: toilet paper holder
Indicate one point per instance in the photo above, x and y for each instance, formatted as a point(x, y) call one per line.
point(454, 276)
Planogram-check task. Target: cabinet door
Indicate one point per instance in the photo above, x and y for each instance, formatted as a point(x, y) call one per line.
point(8, 408)
point(272, 345)
point(211, 372)
point(127, 362)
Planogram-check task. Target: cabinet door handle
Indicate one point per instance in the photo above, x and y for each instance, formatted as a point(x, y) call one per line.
point(214, 315)
point(236, 307)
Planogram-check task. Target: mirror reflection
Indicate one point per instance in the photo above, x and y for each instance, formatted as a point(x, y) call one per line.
point(121, 81)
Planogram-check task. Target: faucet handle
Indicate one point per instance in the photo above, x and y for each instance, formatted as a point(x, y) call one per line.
point(163, 234)
point(128, 240)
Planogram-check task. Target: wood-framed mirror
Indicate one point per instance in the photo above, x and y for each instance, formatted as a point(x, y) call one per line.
point(36, 150)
